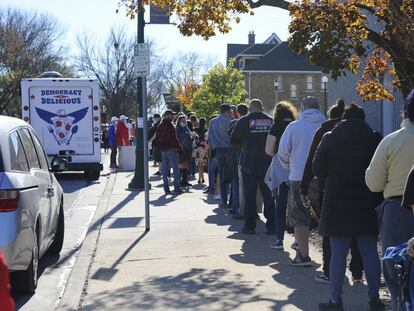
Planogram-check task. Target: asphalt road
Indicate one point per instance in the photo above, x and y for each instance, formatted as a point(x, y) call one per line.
point(79, 206)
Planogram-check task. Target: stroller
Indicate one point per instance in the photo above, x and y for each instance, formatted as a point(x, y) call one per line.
point(404, 268)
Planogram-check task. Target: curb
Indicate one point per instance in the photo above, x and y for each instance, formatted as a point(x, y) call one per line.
point(78, 279)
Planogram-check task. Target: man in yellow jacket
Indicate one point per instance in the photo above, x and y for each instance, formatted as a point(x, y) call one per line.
point(388, 173)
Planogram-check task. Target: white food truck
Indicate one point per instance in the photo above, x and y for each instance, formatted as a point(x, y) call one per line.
point(66, 116)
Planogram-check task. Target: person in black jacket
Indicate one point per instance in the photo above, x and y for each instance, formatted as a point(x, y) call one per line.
point(348, 208)
point(251, 132)
point(355, 265)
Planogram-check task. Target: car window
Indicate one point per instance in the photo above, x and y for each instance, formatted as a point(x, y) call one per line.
point(44, 163)
point(29, 149)
point(18, 160)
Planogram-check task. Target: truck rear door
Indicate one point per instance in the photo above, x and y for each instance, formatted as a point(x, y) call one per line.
point(62, 118)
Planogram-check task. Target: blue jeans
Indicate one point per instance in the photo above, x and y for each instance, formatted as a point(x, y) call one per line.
point(170, 160)
point(212, 173)
point(340, 248)
point(235, 205)
point(397, 227)
point(250, 184)
point(281, 195)
point(221, 154)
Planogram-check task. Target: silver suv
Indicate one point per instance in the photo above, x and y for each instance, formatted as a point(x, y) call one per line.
point(31, 202)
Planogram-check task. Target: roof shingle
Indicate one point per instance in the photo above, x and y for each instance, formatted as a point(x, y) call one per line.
point(257, 49)
point(234, 49)
point(281, 58)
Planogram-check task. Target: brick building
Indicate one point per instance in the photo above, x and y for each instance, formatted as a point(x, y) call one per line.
point(265, 63)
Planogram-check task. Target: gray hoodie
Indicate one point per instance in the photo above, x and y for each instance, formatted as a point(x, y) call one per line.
point(296, 141)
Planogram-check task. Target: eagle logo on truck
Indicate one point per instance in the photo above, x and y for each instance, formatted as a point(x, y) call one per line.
point(61, 125)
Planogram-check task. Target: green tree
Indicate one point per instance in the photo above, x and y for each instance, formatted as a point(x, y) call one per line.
point(221, 85)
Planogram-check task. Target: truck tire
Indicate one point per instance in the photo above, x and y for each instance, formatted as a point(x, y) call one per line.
point(57, 244)
point(26, 281)
point(95, 175)
point(92, 174)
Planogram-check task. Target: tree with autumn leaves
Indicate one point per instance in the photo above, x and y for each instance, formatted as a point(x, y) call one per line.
point(340, 36)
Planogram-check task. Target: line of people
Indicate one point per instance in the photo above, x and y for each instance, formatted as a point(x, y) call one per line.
point(300, 166)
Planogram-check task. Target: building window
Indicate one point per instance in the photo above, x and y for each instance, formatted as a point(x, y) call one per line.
point(279, 81)
point(309, 83)
point(293, 91)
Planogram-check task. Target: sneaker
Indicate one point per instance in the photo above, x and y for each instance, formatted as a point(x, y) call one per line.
point(167, 192)
point(217, 197)
point(295, 246)
point(300, 261)
point(178, 192)
point(224, 205)
point(278, 245)
point(331, 306)
point(157, 173)
point(376, 304)
point(322, 278)
point(248, 231)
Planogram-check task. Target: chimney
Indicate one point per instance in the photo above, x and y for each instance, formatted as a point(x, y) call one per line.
point(252, 38)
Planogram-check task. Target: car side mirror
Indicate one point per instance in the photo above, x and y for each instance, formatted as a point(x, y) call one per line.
point(59, 165)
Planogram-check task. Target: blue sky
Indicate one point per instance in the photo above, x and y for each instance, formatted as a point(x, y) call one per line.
point(98, 16)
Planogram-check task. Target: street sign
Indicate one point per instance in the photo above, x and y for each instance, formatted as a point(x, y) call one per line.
point(158, 16)
point(141, 60)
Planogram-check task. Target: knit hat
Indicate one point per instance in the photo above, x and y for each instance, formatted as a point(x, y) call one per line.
point(409, 106)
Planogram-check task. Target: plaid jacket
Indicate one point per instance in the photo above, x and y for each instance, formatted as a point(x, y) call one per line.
point(167, 136)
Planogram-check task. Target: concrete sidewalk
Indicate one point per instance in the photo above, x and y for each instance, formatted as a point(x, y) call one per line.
point(194, 258)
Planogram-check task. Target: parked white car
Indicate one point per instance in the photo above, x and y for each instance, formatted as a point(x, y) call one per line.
point(31, 202)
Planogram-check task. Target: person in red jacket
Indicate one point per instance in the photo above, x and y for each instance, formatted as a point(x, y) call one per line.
point(122, 132)
point(6, 301)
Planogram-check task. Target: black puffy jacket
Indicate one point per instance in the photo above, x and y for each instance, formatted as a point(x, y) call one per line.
point(341, 159)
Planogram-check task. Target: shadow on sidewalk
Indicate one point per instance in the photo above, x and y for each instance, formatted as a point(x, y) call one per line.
point(256, 250)
point(307, 294)
point(163, 200)
point(106, 274)
point(222, 218)
point(217, 289)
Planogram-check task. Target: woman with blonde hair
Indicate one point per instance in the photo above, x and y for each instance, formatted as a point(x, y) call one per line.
point(284, 113)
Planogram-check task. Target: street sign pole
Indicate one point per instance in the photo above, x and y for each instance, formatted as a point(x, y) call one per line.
point(146, 173)
point(140, 181)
